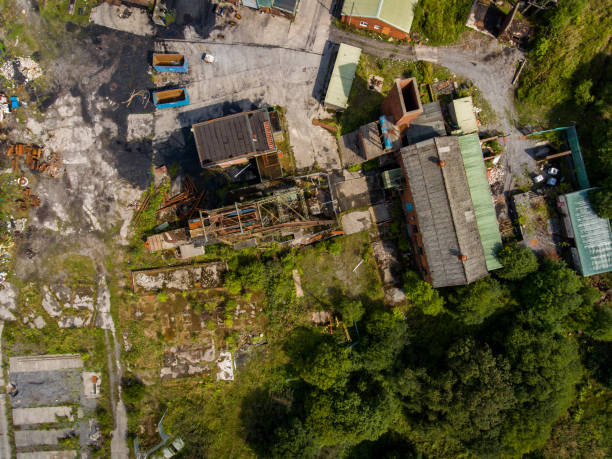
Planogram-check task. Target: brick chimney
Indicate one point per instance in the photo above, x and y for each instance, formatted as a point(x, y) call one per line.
point(403, 104)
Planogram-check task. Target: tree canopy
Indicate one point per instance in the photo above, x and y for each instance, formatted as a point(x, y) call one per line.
point(423, 295)
point(518, 262)
point(473, 303)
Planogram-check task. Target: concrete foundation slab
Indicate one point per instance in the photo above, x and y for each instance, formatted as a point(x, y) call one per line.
point(48, 455)
point(45, 388)
point(125, 19)
point(52, 362)
point(26, 438)
point(46, 415)
point(355, 222)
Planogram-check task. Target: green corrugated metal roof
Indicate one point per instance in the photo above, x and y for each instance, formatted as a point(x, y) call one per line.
point(592, 234)
point(481, 198)
point(365, 8)
point(572, 139)
point(398, 13)
point(464, 114)
point(342, 76)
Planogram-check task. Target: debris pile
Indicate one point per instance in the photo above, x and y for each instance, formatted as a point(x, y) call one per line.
point(28, 200)
point(26, 66)
point(34, 157)
point(29, 68)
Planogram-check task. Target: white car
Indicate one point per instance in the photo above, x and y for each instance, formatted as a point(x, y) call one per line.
point(538, 179)
point(553, 171)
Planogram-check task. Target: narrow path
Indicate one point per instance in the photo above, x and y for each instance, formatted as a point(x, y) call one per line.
point(5, 445)
point(119, 447)
point(372, 46)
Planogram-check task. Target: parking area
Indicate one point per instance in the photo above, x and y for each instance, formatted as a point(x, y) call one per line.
point(263, 60)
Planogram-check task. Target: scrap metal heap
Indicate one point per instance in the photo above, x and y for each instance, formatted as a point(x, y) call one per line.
point(295, 213)
point(34, 158)
point(283, 213)
point(185, 203)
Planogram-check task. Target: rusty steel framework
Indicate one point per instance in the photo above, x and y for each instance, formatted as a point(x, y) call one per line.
point(285, 211)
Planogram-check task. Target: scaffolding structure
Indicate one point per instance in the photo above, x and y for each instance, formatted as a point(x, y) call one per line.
point(285, 212)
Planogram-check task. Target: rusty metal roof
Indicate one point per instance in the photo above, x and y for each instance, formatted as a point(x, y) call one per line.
point(231, 137)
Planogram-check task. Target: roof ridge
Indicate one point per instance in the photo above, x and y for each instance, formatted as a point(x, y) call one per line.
point(450, 206)
point(380, 5)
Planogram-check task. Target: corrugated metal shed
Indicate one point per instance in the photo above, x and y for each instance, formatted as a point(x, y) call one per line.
point(290, 6)
point(342, 77)
point(445, 212)
point(480, 191)
point(572, 139)
point(592, 234)
point(393, 178)
point(398, 13)
point(462, 111)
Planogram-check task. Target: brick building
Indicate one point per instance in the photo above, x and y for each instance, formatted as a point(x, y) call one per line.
point(389, 17)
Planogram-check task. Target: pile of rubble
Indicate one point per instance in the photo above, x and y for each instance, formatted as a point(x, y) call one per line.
point(26, 66)
point(80, 301)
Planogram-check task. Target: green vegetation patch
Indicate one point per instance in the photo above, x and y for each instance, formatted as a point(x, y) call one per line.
point(327, 270)
point(441, 21)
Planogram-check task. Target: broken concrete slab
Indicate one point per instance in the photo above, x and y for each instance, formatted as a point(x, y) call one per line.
point(72, 322)
point(139, 126)
point(39, 322)
point(394, 295)
point(8, 301)
point(123, 18)
point(50, 303)
point(184, 361)
point(207, 275)
point(297, 280)
point(355, 222)
point(51, 362)
point(45, 415)
point(225, 367)
point(386, 254)
point(28, 438)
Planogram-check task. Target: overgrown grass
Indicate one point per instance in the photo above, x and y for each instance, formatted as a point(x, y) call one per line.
point(440, 21)
point(327, 271)
point(586, 430)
